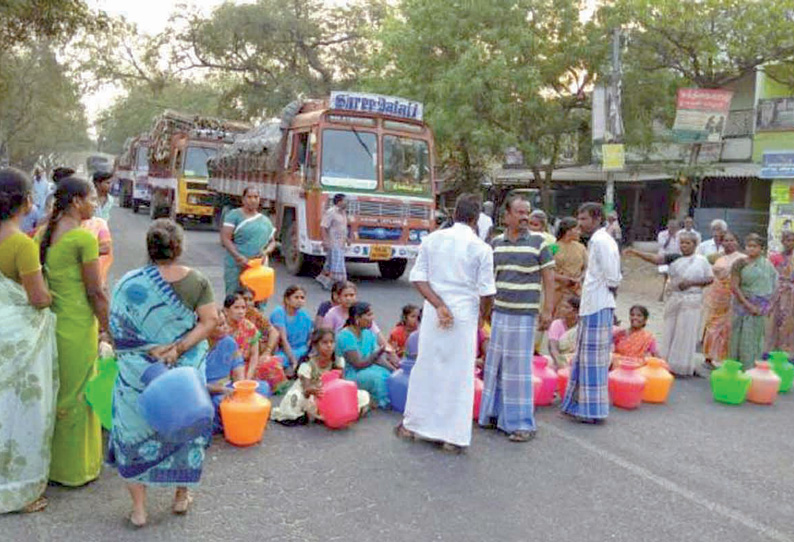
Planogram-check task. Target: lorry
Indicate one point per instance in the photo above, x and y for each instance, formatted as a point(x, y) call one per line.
point(132, 173)
point(374, 149)
point(179, 147)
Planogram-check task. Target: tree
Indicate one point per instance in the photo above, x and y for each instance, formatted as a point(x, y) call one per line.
point(493, 74)
point(25, 21)
point(706, 44)
point(40, 109)
point(132, 114)
point(276, 50)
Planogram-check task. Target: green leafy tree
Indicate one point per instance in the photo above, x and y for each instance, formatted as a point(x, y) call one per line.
point(25, 21)
point(705, 44)
point(493, 74)
point(40, 109)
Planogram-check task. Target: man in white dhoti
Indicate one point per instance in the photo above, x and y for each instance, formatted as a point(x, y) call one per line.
point(454, 273)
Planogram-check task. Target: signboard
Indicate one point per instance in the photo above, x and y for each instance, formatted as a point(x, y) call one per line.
point(614, 157)
point(375, 103)
point(775, 114)
point(781, 212)
point(701, 114)
point(777, 165)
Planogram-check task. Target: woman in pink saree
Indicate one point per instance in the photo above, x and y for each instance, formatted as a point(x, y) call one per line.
point(780, 333)
point(717, 303)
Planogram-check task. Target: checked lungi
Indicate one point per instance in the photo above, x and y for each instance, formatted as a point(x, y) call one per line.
point(335, 264)
point(507, 392)
point(587, 394)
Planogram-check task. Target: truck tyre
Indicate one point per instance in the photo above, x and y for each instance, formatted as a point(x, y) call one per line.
point(294, 260)
point(392, 269)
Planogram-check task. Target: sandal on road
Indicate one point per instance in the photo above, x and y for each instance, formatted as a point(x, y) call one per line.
point(36, 506)
point(404, 433)
point(521, 436)
point(182, 503)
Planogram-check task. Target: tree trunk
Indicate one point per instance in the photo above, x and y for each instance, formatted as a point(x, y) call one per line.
point(683, 198)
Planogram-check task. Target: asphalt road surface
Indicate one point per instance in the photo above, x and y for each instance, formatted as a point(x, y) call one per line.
point(690, 470)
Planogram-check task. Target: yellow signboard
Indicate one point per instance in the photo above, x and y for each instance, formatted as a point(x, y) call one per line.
point(614, 157)
point(781, 192)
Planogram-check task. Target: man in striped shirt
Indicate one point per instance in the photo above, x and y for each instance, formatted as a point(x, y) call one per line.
point(524, 267)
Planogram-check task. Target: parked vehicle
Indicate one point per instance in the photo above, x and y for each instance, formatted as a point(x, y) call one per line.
point(374, 149)
point(132, 173)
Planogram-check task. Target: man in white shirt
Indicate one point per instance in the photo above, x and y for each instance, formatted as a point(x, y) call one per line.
point(689, 226)
point(454, 273)
point(485, 222)
point(714, 245)
point(586, 397)
point(668, 244)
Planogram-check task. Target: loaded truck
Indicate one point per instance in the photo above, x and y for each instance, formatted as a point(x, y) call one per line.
point(132, 173)
point(374, 149)
point(179, 147)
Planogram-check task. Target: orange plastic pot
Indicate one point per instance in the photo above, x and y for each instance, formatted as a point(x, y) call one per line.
point(259, 278)
point(245, 414)
point(658, 381)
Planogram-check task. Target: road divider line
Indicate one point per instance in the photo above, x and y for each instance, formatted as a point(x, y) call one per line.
point(667, 484)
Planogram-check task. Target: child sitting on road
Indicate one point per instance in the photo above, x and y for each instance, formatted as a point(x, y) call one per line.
point(294, 326)
point(409, 322)
point(636, 341)
point(299, 405)
point(269, 367)
point(224, 364)
point(243, 330)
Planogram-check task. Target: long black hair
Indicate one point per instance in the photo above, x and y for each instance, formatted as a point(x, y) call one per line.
point(15, 188)
point(68, 189)
point(361, 307)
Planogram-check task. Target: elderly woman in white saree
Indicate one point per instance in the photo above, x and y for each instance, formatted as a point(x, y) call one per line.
point(689, 274)
point(28, 356)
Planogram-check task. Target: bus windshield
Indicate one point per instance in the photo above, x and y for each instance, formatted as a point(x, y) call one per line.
point(406, 165)
point(142, 159)
point(196, 161)
point(349, 159)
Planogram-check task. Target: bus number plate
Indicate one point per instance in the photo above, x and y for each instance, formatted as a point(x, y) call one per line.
point(380, 252)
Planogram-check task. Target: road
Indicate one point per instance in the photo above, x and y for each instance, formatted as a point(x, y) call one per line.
point(690, 470)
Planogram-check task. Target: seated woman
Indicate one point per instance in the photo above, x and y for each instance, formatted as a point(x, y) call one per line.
point(269, 367)
point(409, 322)
point(244, 332)
point(636, 341)
point(224, 364)
point(294, 326)
point(365, 362)
point(562, 331)
point(299, 404)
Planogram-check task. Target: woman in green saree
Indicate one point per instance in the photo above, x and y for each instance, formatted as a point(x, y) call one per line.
point(753, 284)
point(28, 358)
point(246, 234)
point(71, 260)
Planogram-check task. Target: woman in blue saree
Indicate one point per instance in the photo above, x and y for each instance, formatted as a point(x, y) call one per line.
point(246, 234)
point(161, 312)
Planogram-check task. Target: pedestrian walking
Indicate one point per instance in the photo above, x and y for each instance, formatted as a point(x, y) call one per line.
point(454, 274)
point(335, 240)
point(586, 397)
point(524, 267)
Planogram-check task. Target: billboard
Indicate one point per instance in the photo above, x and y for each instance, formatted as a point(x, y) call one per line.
point(777, 165)
point(701, 115)
point(775, 114)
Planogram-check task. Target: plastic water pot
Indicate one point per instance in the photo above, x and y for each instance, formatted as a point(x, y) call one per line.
point(548, 381)
point(626, 385)
point(783, 368)
point(175, 402)
point(259, 278)
point(338, 404)
point(99, 390)
point(658, 381)
point(729, 384)
point(245, 414)
point(765, 384)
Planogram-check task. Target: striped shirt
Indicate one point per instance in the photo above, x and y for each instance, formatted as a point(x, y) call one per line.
point(517, 266)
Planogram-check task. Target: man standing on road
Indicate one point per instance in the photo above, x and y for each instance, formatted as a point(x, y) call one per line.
point(485, 221)
point(335, 239)
point(689, 226)
point(586, 398)
point(522, 259)
point(454, 273)
point(714, 245)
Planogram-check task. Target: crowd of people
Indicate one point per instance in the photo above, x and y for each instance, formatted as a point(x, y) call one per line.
point(491, 303)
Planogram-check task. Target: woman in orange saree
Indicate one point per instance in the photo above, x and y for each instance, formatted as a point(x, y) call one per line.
point(569, 263)
point(780, 334)
point(717, 304)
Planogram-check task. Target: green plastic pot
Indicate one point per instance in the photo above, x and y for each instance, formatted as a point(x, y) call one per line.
point(99, 390)
point(783, 368)
point(729, 384)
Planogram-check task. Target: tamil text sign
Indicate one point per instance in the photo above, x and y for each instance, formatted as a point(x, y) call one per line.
point(777, 165)
point(375, 103)
point(701, 114)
